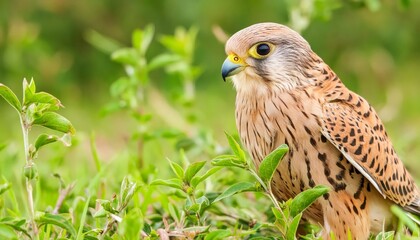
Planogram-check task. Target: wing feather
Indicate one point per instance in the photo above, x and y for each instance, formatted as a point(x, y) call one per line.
point(354, 128)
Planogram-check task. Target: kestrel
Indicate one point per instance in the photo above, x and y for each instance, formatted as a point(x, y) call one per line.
point(287, 94)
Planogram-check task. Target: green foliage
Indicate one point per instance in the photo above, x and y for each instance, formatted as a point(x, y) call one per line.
point(235, 189)
point(302, 11)
point(192, 170)
point(4, 187)
point(287, 214)
point(130, 191)
point(16, 224)
point(236, 148)
point(112, 209)
point(406, 220)
point(56, 220)
point(270, 163)
point(36, 108)
point(385, 236)
point(10, 97)
point(304, 199)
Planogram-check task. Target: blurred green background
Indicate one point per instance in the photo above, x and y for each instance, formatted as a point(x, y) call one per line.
point(373, 46)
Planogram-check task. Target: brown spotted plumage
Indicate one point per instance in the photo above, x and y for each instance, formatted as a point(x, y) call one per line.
point(287, 94)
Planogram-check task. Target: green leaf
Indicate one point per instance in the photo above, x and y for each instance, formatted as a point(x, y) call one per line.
point(204, 204)
point(277, 213)
point(228, 161)
point(306, 198)
point(177, 169)
point(120, 87)
point(293, 226)
point(172, 44)
point(263, 238)
point(137, 38)
point(236, 148)
point(125, 56)
point(44, 139)
point(31, 87)
point(82, 220)
point(192, 170)
point(147, 38)
point(385, 236)
point(107, 205)
point(101, 213)
point(4, 187)
point(28, 89)
point(236, 188)
point(269, 164)
point(185, 143)
point(198, 179)
point(147, 228)
point(282, 217)
point(184, 158)
point(131, 224)
point(173, 183)
point(7, 232)
point(102, 42)
point(141, 39)
point(163, 60)
point(43, 97)
point(405, 219)
point(192, 209)
point(54, 121)
point(190, 40)
point(57, 220)
point(217, 234)
point(127, 190)
point(15, 223)
point(10, 97)
point(174, 212)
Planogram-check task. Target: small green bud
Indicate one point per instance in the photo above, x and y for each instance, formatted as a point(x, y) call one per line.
point(30, 171)
point(189, 190)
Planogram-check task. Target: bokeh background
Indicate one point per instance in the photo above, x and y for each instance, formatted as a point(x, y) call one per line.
point(374, 46)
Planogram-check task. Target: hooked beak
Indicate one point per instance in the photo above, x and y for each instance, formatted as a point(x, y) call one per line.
point(230, 68)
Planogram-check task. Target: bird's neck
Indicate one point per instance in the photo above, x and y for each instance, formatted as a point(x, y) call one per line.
point(257, 88)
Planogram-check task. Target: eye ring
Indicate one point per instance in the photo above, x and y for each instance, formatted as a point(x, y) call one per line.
point(235, 58)
point(263, 49)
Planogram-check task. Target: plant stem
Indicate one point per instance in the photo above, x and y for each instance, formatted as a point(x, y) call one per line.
point(197, 214)
point(62, 196)
point(255, 174)
point(31, 206)
point(267, 189)
point(29, 163)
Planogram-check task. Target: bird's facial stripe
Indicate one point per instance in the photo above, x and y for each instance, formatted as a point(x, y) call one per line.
point(261, 50)
point(236, 59)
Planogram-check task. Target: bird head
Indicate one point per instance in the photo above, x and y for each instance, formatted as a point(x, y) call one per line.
point(265, 54)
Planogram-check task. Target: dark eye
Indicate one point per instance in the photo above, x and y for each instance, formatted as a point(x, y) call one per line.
point(263, 49)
